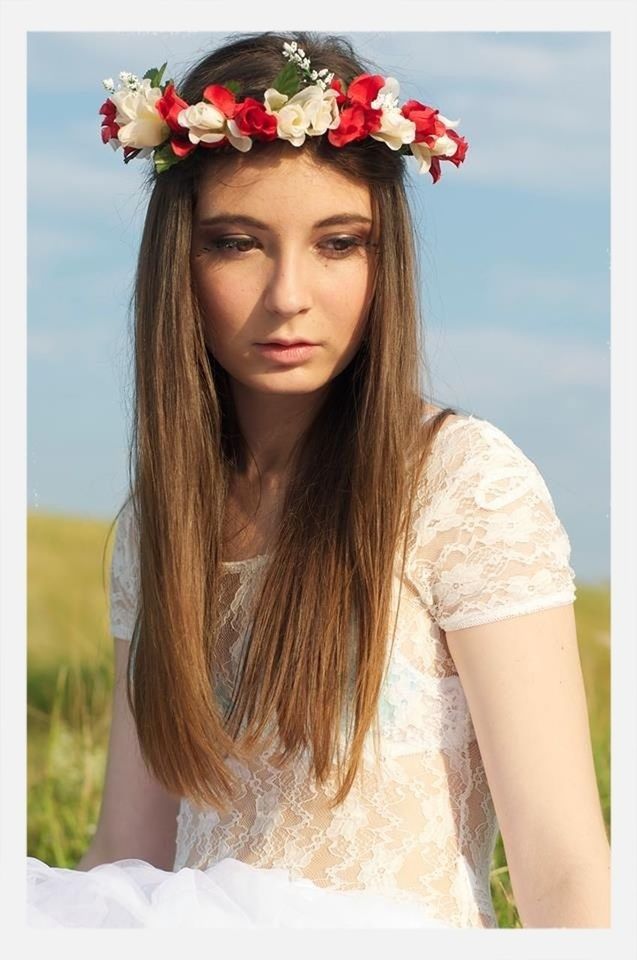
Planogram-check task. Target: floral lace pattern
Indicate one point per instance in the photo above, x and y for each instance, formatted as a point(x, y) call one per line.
point(418, 824)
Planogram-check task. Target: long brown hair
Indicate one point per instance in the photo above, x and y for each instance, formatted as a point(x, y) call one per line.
point(347, 504)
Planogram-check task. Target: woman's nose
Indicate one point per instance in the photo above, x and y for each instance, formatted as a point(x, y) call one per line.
point(288, 286)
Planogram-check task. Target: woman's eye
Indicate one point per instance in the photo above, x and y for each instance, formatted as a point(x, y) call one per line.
point(334, 248)
point(341, 246)
point(232, 244)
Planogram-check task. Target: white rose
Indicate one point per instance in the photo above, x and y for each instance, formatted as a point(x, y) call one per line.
point(207, 123)
point(203, 122)
point(423, 153)
point(273, 100)
point(140, 125)
point(236, 138)
point(444, 147)
point(292, 123)
point(395, 129)
point(320, 109)
point(310, 112)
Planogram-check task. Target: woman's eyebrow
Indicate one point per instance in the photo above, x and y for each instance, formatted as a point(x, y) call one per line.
point(245, 220)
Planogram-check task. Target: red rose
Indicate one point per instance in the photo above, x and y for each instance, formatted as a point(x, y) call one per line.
point(169, 106)
point(253, 120)
point(337, 84)
point(456, 159)
point(461, 149)
point(364, 89)
point(356, 123)
point(181, 146)
point(425, 119)
point(109, 128)
point(221, 98)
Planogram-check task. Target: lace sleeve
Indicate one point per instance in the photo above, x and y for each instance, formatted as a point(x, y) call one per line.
point(488, 542)
point(124, 584)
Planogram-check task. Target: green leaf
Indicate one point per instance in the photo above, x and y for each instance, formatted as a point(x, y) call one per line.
point(157, 81)
point(233, 86)
point(164, 158)
point(288, 80)
point(154, 75)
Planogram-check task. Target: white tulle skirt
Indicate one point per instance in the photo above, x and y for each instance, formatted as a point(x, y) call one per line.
point(229, 894)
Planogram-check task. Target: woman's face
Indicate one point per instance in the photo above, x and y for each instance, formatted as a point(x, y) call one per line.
point(280, 251)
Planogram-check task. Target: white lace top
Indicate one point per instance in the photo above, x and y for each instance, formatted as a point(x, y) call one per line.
point(419, 824)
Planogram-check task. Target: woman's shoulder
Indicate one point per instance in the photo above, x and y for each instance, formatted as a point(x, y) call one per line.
point(469, 450)
point(469, 429)
point(487, 541)
point(457, 432)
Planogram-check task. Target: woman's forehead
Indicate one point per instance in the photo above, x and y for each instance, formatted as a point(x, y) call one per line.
point(297, 185)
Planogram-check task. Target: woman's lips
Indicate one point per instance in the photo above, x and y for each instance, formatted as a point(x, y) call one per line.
point(287, 355)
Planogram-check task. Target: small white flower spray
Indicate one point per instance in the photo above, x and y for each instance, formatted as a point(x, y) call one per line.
point(295, 54)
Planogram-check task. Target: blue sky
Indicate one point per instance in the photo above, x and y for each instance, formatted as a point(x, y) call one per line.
point(514, 245)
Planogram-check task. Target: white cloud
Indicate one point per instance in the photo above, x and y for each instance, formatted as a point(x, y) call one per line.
point(70, 61)
point(506, 368)
point(47, 244)
point(97, 344)
point(535, 110)
point(521, 59)
point(64, 184)
point(545, 288)
point(517, 140)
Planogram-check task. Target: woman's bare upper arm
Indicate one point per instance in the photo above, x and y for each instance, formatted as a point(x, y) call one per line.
point(523, 681)
point(138, 815)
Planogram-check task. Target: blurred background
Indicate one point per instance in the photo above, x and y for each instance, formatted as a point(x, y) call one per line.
point(515, 267)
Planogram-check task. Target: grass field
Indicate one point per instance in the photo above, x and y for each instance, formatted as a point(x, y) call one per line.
point(69, 676)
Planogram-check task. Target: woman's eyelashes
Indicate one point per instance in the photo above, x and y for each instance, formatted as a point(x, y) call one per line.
point(333, 248)
point(231, 245)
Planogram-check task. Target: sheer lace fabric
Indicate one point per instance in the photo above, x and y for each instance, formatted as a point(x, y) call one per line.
point(419, 824)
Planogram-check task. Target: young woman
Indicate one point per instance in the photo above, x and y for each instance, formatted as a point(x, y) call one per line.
point(353, 652)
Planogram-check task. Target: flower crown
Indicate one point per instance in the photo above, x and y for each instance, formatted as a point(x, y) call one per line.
point(145, 116)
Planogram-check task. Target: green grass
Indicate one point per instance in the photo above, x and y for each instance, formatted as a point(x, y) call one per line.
point(69, 678)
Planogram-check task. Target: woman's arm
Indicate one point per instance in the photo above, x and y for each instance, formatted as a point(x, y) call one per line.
point(523, 682)
point(138, 816)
